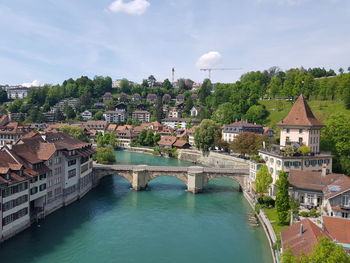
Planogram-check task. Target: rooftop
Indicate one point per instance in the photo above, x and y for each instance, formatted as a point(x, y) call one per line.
point(300, 115)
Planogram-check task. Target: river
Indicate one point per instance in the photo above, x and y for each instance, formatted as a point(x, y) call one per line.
point(163, 225)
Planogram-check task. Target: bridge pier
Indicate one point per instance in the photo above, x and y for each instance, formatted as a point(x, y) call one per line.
point(139, 180)
point(195, 180)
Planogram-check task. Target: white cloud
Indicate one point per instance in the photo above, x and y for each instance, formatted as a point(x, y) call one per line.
point(134, 7)
point(34, 83)
point(209, 59)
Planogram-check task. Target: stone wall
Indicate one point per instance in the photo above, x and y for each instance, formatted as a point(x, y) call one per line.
point(214, 159)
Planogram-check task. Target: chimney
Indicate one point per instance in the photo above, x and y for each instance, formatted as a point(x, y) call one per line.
point(301, 230)
point(324, 170)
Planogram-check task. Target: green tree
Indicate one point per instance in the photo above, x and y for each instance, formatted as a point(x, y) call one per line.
point(335, 137)
point(69, 112)
point(205, 91)
point(206, 135)
point(167, 84)
point(263, 180)
point(347, 98)
point(105, 155)
point(125, 86)
point(156, 138)
point(15, 106)
point(257, 114)
point(98, 115)
point(188, 104)
point(327, 251)
point(225, 114)
point(75, 132)
point(247, 143)
point(3, 96)
point(282, 198)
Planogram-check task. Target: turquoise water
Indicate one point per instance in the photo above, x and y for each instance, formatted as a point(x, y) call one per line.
point(165, 224)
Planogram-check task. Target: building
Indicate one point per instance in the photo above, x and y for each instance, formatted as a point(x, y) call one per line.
point(86, 115)
point(254, 167)
point(126, 137)
point(136, 97)
point(107, 97)
point(174, 113)
point(337, 198)
point(17, 92)
point(116, 83)
point(338, 229)
point(166, 98)
point(63, 103)
point(141, 116)
point(190, 133)
point(151, 98)
point(123, 97)
point(230, 131)
point(180, 98)
point(167, 141)
point(307, 188)
point(195, 111)
point(115, 116)
point(99, 105)
point(11, 132)
point(301, 237)
point(99, 126)
point(179, 123)
point(121, 107)
point(300, 127)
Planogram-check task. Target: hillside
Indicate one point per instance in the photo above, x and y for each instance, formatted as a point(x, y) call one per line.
point(322, 109)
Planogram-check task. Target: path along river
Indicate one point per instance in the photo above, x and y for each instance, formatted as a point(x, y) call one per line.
point(163, 225)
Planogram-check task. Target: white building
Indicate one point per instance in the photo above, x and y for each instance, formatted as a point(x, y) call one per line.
point(17, 92)
point(300, 127)
point(179, 123)
point(115, 116)
point(86, 115)
point(141, 116)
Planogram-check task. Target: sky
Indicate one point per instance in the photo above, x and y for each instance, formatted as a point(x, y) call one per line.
point(48, 41)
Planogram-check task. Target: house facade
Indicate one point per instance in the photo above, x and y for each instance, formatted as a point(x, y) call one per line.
point(115, 116)
point(141, 116)
point(230, 131)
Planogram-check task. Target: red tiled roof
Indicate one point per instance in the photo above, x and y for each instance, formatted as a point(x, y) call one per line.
point(167, 140)
point(300, 115)
point(180, 143)
point(298, 241)
point(311, 180)
point(337, 187)
point(338, 228)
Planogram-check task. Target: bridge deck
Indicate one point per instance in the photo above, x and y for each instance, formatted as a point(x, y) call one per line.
point(171, 169)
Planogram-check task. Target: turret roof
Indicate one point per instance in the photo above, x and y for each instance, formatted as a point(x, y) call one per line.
point(300, 115)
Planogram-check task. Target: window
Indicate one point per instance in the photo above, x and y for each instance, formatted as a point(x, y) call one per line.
point(33, 180)
point(287, 139)
point(33, 190)
point(300, 140)
point(42, 187)
point(42, 176)
point(310, 198)
point(58, 170)
point(300, 130)
point(288, 130)
point(71, 173)
point(344, 215)
point(72, 162)
point(346, 200)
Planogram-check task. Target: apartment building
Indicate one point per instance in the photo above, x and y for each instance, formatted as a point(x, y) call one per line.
point(12, 131)
point(115, 116)
point(141, 116)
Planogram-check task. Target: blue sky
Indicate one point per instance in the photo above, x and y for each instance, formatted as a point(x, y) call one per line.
point(52, 40)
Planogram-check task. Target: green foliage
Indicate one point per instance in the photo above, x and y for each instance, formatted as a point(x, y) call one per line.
point(69, 112)
point(75, 132)
point(167, 84)
point(15, 106)
point(256, 114)
point(266, 201)
point(148, 138)
point(107, 139)
point(325, 251)
point(207, 134)
point(263, 180)
point(205, 91)
point(311, 213)
point(282, 198)
point(335, 137)
point(3, 96)
point(225, 114)
point(105, 155)
point(98, 115)
point(247, 143)
point(304, 150)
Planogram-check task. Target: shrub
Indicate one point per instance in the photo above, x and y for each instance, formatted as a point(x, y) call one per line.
point(304, 214)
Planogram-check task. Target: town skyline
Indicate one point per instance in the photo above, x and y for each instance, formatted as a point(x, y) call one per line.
point(124, 38)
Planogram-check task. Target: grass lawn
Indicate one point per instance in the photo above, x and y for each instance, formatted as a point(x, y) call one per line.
point(322, 109)
point(271, 214)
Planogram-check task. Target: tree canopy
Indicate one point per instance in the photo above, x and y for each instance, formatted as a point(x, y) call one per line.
point(206, 135)
point(263, 180)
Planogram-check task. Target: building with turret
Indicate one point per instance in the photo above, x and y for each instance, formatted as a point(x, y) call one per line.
point(299, 128)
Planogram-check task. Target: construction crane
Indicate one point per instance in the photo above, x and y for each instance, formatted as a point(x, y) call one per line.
point(211, 69)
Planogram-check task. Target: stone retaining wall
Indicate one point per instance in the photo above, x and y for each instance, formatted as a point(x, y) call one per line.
point(213, 159)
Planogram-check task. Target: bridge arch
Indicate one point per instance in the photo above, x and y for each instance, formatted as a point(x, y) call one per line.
point(181, 177)
point(107, 172)
point(211, 178)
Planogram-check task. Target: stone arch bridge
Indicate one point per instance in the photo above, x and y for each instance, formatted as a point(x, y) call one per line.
point(194, 177)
